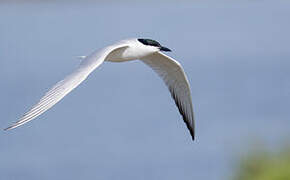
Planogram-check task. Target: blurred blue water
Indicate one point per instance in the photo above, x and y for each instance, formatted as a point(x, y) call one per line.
point(121, 123)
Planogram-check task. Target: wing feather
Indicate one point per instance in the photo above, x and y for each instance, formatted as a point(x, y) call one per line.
point(65, 86)
point(174, 77)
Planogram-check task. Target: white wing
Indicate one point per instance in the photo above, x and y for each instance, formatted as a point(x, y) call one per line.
point(63, 87)
point(174, 77)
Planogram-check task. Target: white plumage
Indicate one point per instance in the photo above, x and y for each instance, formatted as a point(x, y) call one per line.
point(144, 49)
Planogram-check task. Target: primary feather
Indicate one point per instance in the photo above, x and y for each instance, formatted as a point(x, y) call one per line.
point(63, 87)
point(174, 77)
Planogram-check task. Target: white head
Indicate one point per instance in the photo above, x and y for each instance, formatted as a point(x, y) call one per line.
point(142, 47)
point(149, 43)
point(137, 48)
point(153, 43)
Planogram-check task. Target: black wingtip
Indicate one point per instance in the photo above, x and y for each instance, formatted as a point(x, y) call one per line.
point(193, 138)
point(189, 126)
point(192, 134)
point(9, 128)
point(6, 129)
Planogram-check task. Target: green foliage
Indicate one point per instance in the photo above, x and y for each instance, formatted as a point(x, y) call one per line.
point(262, 165)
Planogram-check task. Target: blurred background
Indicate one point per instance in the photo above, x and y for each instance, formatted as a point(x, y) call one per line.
point(121, 123)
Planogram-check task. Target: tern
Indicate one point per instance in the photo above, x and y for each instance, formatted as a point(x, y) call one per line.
point(148, 51)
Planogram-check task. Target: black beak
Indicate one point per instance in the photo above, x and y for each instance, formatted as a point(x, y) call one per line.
point(164, 49)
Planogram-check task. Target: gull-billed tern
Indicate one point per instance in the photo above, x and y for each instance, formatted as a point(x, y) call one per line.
point(146, 50)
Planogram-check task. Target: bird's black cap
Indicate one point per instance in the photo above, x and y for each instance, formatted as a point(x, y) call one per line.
point(150, 42)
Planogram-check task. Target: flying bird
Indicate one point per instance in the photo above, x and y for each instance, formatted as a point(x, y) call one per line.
point(148, 51)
